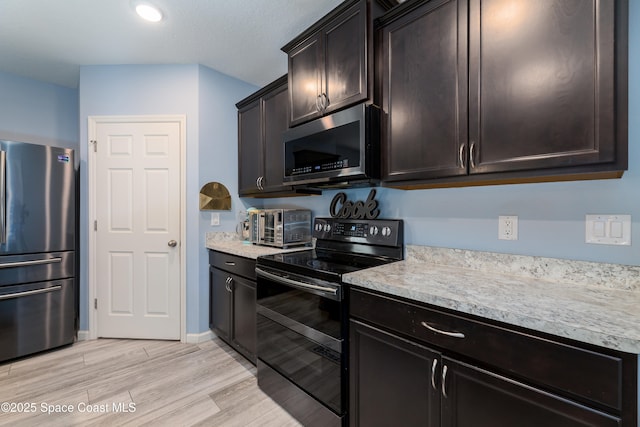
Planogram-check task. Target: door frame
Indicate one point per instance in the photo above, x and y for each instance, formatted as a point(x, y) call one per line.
point(93, 122)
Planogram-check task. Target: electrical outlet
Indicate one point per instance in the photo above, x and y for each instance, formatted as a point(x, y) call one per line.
point(215, 218)
point(508, 227)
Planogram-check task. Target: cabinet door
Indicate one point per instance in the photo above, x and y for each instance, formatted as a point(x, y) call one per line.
point(392, 380)
point(275, 122)
point(244, 315)
point(424, 92)
point(305, 80)
point(542, 84)
point(249, 149)
point(220, 303)
point(473, 397)
point(345, 59)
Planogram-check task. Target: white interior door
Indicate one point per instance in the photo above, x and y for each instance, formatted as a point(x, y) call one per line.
point(137, 209)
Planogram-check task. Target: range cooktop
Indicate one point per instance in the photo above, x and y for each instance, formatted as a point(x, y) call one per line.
point(343, 246)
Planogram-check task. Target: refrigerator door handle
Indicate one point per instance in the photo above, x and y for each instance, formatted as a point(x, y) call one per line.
point(27, 293)
point(3, 197)
point(28, 263)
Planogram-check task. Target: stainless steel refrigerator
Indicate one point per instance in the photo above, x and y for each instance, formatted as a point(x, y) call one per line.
point(38, 286)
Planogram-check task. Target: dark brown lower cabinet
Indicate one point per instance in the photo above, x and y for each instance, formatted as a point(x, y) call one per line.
point(465, 372)
point(232, 301)
point(474, 397)
point(390, 380)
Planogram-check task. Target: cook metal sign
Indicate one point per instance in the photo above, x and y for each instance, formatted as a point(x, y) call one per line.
point(343, 208)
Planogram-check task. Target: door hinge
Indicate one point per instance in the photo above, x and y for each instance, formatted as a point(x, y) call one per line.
point(95, 145)
point(95, 225)
point(95, 303)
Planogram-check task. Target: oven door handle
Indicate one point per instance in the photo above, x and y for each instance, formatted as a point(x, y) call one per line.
point(295, 283)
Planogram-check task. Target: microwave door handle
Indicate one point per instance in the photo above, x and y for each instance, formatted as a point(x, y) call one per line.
point(3, 197)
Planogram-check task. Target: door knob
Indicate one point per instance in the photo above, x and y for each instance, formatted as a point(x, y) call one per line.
point(172, 243)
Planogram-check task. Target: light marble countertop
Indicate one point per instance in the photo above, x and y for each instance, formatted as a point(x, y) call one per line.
point(228, 242)
point(588, 302)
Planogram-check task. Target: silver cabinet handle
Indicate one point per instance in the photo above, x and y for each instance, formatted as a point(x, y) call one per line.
point(34, 292)
point(172, 243)
point(472, 154)
point(3, 197)
point(444, 381)
point(28, 263)
point(441, 332)
point(463, 164)
point(227, 286)
point(231, 263)
point(433, 374)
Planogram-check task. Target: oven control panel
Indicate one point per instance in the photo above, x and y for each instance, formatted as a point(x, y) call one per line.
point(374, 232)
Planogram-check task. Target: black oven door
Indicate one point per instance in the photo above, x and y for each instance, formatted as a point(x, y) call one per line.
point(301, 333)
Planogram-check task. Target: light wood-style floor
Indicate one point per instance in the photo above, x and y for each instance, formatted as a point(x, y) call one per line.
point(160, 383)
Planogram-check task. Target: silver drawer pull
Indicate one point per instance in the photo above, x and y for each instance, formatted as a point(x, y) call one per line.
point(231, 263)
point(34, 292)
point(28, 263)
point(438, 331)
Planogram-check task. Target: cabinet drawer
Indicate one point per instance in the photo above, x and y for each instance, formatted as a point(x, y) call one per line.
point(575, 371)
point(234, 264)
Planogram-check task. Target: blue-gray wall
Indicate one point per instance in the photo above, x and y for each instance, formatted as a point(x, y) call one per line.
point(207, 98)
point(38, 112)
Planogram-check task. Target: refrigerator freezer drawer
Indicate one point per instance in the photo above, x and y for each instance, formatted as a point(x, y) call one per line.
point(36, 317)
point(16, 269)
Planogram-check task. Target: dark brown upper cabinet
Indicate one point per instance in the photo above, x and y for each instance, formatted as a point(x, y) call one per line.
point(262, 118)
point(500, 91)
point(331, 63)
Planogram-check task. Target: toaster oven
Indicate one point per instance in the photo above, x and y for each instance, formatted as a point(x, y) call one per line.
point(280, 227)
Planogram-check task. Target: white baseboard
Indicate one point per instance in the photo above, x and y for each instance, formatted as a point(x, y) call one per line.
point(191, 338)
point(201, 337)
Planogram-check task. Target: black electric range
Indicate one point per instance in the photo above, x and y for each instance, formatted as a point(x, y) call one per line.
point(302, 312)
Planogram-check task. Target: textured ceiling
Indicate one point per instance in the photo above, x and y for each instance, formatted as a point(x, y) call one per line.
point(49, 40)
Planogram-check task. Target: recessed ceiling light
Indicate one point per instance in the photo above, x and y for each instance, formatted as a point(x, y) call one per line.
point(149, 12)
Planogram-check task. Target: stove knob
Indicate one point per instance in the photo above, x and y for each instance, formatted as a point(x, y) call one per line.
point(373, 231)
point(327, 227)
point(386, 231)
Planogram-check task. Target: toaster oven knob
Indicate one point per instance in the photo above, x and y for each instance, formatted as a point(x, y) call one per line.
point(327, 227)
point(373, 231)
point(386, 231)
point(318, 227)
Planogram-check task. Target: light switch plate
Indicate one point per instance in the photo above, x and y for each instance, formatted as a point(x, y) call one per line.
point(608, 229)
point(215, 218)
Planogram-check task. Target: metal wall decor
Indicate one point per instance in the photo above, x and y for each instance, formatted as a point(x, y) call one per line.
point(354, 210)
point(214, 196)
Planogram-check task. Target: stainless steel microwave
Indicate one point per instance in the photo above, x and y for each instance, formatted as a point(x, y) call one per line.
point(280, 227)
point(341, 148)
